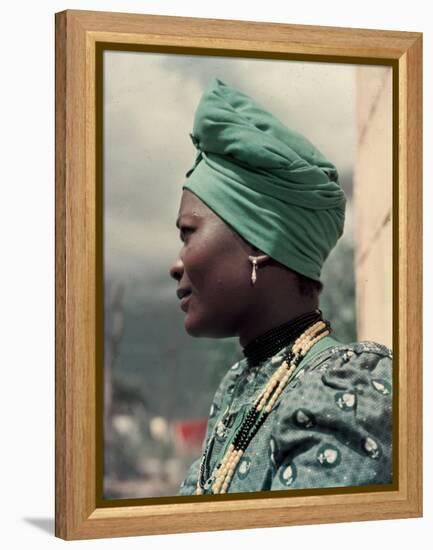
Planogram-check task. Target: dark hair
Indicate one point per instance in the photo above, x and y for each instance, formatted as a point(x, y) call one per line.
point(307, 286)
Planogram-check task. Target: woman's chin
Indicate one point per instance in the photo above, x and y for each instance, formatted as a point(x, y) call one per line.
point(197, 326)
point(192, 326)
point(200, 329)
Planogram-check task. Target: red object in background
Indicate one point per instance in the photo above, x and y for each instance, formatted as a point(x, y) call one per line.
point(189, 435)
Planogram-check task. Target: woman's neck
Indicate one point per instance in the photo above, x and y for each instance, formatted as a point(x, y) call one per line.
point(268, 318)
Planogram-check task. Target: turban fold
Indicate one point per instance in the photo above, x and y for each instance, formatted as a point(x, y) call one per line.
point(266, 181)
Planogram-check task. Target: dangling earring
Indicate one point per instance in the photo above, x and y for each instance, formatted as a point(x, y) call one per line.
point(253, 274)
point(254, 260)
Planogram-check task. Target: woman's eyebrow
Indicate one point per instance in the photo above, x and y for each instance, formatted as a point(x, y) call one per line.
point(193, 215)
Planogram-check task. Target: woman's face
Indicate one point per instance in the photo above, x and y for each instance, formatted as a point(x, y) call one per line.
point(212, 270)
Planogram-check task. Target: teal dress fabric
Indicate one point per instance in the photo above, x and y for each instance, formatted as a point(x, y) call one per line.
point(331, 427)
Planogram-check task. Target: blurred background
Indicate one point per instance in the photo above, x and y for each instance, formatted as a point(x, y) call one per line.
point(159, 382)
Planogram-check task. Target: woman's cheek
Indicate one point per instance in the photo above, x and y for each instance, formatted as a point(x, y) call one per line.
point(193, 264)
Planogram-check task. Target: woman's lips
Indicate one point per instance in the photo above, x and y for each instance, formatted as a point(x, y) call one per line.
point(184, 302)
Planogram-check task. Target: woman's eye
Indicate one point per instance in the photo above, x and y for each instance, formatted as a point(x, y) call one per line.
point(184, 231)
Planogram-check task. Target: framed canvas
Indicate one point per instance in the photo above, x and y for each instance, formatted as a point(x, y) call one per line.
point(132, 391)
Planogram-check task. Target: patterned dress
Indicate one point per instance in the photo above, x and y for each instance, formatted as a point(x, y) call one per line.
point(331, 426)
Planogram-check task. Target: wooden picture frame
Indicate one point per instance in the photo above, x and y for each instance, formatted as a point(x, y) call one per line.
point(80, 35)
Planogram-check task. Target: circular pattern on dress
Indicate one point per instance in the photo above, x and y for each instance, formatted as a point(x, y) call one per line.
point(381, 386)
point(304, 418)
point(288, 474)
point(371, 447)
point(328, 456)
point(346, 401)
point(244, 467)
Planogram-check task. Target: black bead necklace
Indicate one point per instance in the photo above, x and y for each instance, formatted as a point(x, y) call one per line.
point(269, 343)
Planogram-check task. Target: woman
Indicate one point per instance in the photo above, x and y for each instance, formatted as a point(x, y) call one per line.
point(261, 209)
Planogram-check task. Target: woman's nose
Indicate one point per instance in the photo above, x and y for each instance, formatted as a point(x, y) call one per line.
point(176, 270)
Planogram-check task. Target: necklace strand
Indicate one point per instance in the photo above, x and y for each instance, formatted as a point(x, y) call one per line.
point(268, 344)
point(259, 410)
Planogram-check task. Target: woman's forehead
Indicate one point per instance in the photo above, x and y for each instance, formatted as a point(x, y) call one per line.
point(192, 206)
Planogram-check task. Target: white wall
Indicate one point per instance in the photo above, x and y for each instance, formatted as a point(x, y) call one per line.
point(27, 271)
point(372, 192)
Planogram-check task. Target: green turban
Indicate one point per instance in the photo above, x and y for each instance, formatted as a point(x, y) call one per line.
point(269, 183)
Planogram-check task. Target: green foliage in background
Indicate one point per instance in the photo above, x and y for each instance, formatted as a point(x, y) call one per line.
point(338, 296)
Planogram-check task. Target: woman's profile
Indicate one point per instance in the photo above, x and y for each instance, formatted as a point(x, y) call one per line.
point(261, 210)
